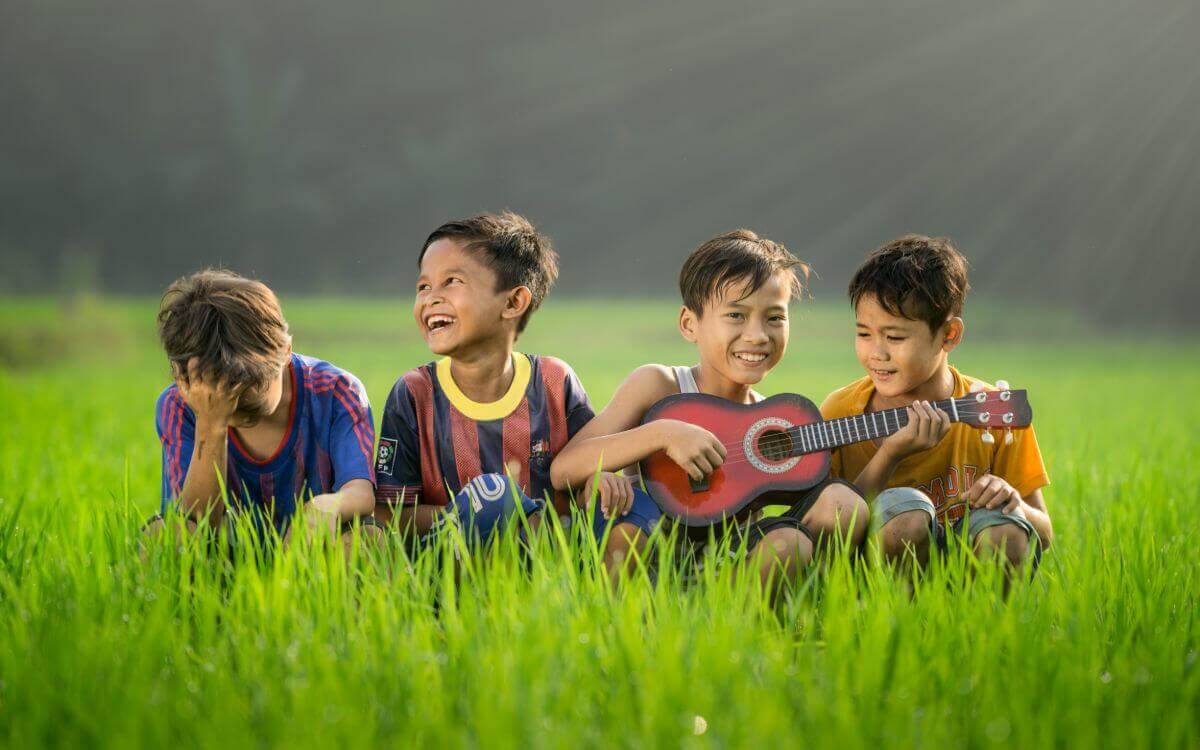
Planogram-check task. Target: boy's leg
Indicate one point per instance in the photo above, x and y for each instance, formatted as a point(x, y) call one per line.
point(370, 533)
point(834, 509)
point(630, 535)
point(905, 522)
point(779, 548)
point(1007, 535)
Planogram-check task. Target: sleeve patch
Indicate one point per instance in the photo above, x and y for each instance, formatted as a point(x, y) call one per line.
point(385, 459)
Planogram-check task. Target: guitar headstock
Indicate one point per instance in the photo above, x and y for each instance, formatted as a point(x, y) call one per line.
point(1001, 408)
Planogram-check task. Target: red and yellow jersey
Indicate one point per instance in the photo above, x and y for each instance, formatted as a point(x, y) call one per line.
point(947, 470)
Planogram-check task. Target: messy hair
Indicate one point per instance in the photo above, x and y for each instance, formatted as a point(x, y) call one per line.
point(915, 277)
point(740, 258)
point(231, 324)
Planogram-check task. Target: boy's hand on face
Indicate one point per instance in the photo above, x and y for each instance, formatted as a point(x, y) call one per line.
point(614, 491)
point(926, 427)
point(211, 400)
point(695, 449)
point(991, 492)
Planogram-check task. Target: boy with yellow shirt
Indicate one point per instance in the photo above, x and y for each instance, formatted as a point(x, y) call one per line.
point(931, 477)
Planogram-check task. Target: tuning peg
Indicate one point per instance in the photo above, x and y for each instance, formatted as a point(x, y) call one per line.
point(976, 387)
point(987, 436)
point(1002, 385)
point(1008, 438)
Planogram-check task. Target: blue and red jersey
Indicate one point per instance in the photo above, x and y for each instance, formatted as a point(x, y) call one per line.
point(329, 441)
point(434, 439)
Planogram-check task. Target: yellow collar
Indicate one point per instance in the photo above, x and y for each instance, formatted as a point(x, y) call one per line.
point(498, 409)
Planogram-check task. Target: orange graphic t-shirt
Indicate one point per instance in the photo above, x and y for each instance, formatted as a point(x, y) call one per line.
point(946, 471)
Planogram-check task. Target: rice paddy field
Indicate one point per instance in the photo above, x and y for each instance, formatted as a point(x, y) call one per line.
point(99, 648)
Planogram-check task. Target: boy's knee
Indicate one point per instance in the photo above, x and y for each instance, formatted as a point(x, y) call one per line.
point(787, 547)
point(1008, 539)
point(909, 530)
point(841, 509)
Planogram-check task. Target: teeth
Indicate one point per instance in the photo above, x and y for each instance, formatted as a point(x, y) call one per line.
point(437, 321)
point(750, 357)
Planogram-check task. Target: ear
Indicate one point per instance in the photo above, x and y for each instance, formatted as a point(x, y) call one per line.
point(687, 324)
point(516, 303)
point(952, 334)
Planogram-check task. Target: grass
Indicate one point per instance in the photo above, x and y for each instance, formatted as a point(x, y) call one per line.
point(99, 649)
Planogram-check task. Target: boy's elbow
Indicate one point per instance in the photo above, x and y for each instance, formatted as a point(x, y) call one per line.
point(559, 476)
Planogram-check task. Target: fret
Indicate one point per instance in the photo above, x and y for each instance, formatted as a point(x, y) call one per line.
point(850, 428)
point(841, 431)
point(874, 425)
point(803, 443)
point(865, 431)
point(828, 435)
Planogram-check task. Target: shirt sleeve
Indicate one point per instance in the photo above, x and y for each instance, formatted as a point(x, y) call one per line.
point(1020, 464)
point(176, 433)
point(352, 433)
point(578, 407)
point(398, 462)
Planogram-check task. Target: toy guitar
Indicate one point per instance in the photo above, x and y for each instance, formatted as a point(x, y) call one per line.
point(781, 445)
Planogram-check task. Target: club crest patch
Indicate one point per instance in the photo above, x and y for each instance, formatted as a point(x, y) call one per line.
point(539, 456)
point(385, 459)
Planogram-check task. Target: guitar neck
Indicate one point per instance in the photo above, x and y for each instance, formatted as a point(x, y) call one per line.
point(833, 433)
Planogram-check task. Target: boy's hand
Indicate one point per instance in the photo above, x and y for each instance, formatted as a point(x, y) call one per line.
point(695, 449)
point(322, 513)
point(210, 399)
point(926, 427)
point(990, 491)
point(614, 491)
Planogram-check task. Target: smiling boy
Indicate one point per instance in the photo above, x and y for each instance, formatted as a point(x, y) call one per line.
point(933, 477)
point(454, 429)
point(736, 291)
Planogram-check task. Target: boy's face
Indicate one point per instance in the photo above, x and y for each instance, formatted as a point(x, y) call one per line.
point(742, 338)
point(900, 354)
point(457, 303)
point(258, 402)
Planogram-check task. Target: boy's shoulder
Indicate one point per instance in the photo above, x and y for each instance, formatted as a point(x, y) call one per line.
point(848, 400)
point(324, 380)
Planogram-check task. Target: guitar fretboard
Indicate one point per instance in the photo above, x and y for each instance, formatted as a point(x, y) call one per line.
point(832, 433)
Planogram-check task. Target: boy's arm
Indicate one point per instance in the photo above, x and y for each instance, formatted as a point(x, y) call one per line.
point(925, 429)
point(398, 486)
point(614, 439)
point(351, 453)
point(213, 404)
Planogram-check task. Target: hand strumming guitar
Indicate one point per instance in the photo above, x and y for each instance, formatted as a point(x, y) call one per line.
point(696, 450)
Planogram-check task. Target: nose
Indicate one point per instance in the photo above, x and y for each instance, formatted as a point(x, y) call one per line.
point(755, 333)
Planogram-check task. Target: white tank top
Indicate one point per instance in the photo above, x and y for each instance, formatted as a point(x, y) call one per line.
point(687, 382)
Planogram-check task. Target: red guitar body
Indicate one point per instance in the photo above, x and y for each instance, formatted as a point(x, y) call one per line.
point(757, 470)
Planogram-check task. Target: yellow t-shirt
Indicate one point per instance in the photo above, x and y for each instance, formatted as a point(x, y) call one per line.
point(945, 471)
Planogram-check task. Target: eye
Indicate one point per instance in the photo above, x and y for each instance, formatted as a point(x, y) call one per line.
point(735, 315)
point(896, 338)
point(863, 335)
point(453, 280)
point(779, 318)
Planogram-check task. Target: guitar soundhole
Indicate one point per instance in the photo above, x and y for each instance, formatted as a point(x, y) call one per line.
point(775, 445)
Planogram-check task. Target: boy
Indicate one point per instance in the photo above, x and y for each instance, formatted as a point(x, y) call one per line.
point(908, 301)
point(736, 290)
point(456, 429)
point(276, 429)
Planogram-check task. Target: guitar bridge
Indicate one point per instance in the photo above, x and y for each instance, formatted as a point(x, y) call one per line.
point(698, 486)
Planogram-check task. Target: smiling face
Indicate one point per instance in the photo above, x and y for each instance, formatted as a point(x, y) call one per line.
point(902, 356)
point(742, 338)
point(458, 306)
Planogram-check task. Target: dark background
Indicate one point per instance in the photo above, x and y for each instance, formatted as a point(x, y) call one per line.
point(316, 143)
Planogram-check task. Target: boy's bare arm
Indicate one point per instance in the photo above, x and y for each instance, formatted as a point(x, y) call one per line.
point(616, 437)
point(213, 404)
point(925, 429)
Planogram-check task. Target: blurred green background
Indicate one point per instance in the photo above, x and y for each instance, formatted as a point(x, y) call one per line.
point(315, 144)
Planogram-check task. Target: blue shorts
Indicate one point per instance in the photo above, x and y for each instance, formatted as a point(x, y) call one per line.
point(892, 502)
point(643, 513)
